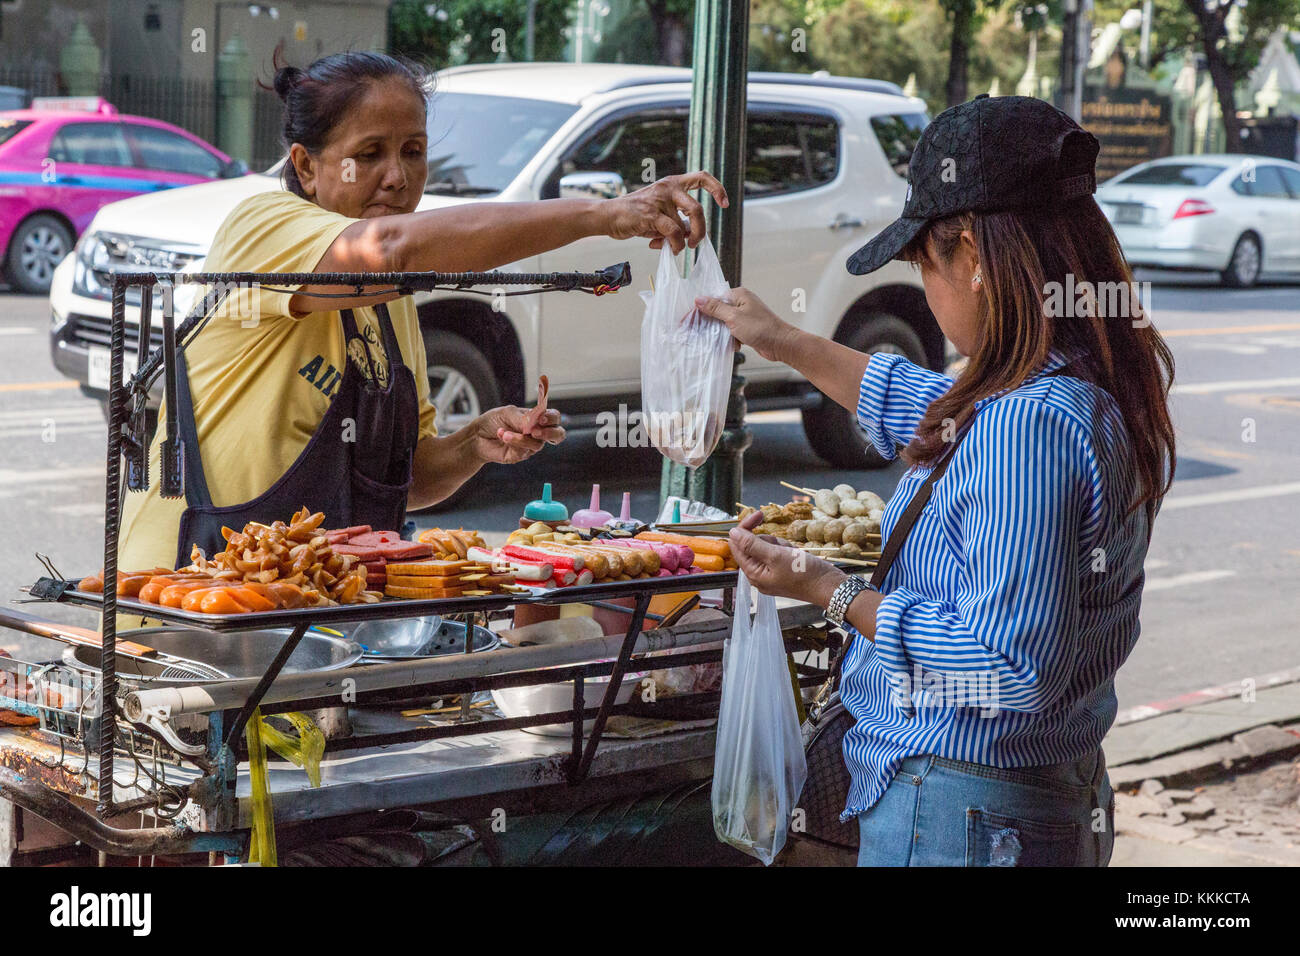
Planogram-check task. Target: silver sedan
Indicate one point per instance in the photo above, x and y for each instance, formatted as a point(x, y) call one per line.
point(1237, 215)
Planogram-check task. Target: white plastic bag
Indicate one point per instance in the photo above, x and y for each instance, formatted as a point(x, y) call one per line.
point(685, 359)
point(759, 766)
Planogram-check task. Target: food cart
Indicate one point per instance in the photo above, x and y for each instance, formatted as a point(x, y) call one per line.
point(131, 768)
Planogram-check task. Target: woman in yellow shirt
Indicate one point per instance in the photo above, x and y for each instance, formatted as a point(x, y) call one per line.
point(291, 398)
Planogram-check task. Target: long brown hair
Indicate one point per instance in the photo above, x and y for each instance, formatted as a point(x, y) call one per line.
point(1092, 309)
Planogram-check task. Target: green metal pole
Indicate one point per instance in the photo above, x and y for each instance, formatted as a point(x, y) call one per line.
point(717, 144)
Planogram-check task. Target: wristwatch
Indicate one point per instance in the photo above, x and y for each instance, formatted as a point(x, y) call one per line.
point(843, 596)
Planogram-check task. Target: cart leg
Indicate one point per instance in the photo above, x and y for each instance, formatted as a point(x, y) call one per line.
point(611, 692)
point(579, 706)
point(112, 527)
point(263, 685)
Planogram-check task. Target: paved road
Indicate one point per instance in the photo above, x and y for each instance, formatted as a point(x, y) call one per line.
point(1219, 603)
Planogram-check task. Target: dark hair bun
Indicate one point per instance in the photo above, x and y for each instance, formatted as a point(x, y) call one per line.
point(286, 78)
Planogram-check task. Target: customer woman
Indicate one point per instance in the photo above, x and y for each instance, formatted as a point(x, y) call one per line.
point(981, 676)
point(293, 398)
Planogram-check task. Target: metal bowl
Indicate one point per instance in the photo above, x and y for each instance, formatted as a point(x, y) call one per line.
point(416, 638)
point(239, 654)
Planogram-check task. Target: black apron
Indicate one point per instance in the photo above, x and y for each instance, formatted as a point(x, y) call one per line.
point(356, 468)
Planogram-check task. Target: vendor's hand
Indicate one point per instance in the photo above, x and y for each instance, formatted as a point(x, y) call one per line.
point(503, 435)
point(751, 322)
point(780, 569)
point(652, 211)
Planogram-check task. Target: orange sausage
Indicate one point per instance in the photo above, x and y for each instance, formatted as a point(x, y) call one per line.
point(153, 590)
point(222, 601)
point(714, 546)
point(129, 585)
point(174, 594)
point(709, 562)
point(192, 600)
point(251, 599)
point(286, 595)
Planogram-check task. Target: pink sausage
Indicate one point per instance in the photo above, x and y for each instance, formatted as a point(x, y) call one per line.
point(669, 555)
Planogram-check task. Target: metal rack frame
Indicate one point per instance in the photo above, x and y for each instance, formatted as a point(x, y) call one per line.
point(226, 727)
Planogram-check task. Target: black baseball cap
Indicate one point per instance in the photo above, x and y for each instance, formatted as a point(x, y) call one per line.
point(992, 154)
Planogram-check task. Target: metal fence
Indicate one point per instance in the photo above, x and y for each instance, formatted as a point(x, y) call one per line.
point(188, 103)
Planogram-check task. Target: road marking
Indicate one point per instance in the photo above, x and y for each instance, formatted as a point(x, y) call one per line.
point(84, 510)
point(1223, 497)
point(1191, 577)
point(1232, 330)
point(37, 386)
point(59, 431)
point(1233, 385)
point(47, 475)
point(63, 414)
point(1231, 455)
point(86, 410)
point(19, 330)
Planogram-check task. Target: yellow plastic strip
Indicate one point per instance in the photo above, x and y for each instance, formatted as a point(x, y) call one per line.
point(262, 843)
point(305, 750)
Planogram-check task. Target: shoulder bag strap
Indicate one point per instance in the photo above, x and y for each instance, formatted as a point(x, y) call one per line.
point(913, 511)
point(895, 543)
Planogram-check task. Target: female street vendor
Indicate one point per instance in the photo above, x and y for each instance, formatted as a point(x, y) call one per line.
point(289, 398)
point(980, 677)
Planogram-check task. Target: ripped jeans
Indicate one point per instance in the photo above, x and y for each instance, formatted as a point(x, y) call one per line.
point(941, 812)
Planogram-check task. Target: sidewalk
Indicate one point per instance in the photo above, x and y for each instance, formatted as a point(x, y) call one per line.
point(1211, 778)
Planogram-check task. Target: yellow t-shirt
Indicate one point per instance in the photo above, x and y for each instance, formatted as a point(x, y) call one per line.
point(261, 379)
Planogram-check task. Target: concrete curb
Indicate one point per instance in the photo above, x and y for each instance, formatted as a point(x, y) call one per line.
point(1260, 745)
point(1222, 692)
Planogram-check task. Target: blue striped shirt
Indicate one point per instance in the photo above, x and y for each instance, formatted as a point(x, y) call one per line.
point(1015, 597)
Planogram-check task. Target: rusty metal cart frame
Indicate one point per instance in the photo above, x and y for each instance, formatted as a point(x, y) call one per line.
point(220, 762)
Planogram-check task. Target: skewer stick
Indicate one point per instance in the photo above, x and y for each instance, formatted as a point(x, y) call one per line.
point(802, 491)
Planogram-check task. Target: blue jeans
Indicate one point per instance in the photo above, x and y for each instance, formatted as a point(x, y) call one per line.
point(941, 812)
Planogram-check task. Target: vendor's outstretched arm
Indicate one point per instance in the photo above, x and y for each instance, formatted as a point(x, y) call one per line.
point(480, 236)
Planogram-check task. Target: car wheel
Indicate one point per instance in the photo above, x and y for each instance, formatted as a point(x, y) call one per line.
point(462, 386)
point(1244, 265)
point(37, 246)
point(833, 431)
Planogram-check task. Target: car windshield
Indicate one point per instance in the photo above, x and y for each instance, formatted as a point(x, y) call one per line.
point(1173, 174)
point(898, 136)
point(10, 128)
point(478, 144)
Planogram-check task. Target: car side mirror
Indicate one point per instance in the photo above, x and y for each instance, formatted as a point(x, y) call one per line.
point(234, 169)
point(599, 185)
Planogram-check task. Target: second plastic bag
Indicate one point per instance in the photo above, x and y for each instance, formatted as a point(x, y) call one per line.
point(759, 767)
point(685, 359)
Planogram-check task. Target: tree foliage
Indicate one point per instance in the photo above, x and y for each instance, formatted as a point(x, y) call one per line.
point(1203, 26)
point(445, 33)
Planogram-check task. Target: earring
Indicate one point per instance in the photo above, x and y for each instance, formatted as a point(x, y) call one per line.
point(977, 278)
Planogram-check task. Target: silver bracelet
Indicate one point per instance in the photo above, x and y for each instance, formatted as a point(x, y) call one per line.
point(843, 596)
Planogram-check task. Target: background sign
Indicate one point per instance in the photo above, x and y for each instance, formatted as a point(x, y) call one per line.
point(1133, 126)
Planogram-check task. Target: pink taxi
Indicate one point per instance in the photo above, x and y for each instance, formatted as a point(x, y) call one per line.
point(65, 157)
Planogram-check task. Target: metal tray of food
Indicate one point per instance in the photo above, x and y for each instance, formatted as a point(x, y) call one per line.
point(66, 592)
